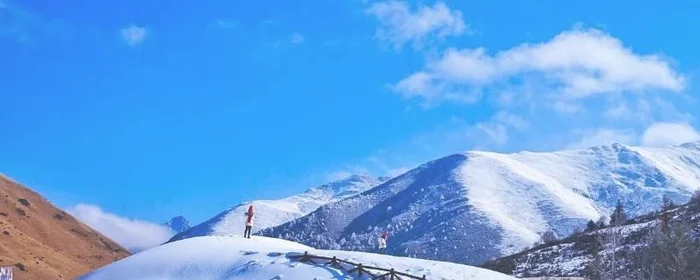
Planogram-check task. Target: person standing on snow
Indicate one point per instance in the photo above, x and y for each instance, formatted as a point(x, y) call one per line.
point(248, 222)
point(382, 243)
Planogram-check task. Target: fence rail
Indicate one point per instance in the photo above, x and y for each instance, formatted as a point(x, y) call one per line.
point(374, 272)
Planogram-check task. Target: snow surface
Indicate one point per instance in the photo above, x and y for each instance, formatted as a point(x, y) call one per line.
point(234, 257)
point(271, 213)
point(479, 205)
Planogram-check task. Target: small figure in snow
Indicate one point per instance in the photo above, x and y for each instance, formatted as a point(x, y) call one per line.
point(248, 222)
point(382, 243)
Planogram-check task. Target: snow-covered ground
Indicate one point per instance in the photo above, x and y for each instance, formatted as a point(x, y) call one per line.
point(234, 257)
point(270, 213)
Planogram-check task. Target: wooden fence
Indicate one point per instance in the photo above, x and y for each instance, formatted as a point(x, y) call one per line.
point(360, 269)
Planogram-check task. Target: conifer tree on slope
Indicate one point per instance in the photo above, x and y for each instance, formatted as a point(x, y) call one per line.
point(618, 216)
point(667, 203)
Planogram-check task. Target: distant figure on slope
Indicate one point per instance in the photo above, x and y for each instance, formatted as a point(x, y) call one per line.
point(248, 222)
point(382, 243)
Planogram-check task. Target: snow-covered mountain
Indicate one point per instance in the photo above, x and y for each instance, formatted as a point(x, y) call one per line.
point(234, 257)
point(270, 213)
point(178, 224)
point(475, 206)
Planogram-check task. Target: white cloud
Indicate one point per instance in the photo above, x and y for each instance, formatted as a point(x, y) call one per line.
point(135, 235)
point(497, 127)
point(346, 171)
point(338, 175)
point(134, 35)
point(227, 24)
point(496, 131)
point(400, 25)
point(512, 120)
point(662, 134)
point(641, 111)
point(297, 38)
point(397, 171)
point(574, 64)
point(604, 137)
point(619, 111)
point(23, 26)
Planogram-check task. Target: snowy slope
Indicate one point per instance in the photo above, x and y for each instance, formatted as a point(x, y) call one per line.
point(270, 213)
point(476, 206)
point(571, 256)
point(233, 257)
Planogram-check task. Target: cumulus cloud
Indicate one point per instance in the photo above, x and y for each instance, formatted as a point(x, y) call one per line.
point(400, 25)
point(297, 38)
point(136, 235)
point(663, 134)
point(497, 127)
point(575, 64)
point(134, 35)
point(511, 120)
point(338, 175)
point(639, 110)
point(497, 132)
point(604, 136)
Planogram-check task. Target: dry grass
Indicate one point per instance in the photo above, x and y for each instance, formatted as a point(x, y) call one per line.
point(44, 242)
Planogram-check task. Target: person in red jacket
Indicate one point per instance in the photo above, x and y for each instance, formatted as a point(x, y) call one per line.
point(249, 222)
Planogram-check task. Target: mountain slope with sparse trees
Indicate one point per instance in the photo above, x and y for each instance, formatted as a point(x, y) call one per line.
point(660, 245)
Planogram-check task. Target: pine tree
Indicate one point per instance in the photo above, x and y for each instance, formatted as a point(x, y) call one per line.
point(591, 225)
point(548, 237)
point(670, 253)
point(695, 200)
point(618, 216)
point(667, 203)
point(596, 268)
point(665, 219)
point(600, 223)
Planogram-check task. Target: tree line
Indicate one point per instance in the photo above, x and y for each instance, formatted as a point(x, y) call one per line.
point(670, 250)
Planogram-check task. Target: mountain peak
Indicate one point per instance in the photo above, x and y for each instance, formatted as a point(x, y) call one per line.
point(178, 224)
point(356, 177)
point(476, 205)
point(352, 184)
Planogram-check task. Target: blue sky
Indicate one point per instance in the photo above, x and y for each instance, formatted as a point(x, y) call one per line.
point(152, 111)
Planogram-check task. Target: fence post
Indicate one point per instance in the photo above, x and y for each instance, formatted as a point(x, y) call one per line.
point(424, 277)
point(392, 274)
point(359, 269)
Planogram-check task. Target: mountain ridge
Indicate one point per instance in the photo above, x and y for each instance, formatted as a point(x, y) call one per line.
point(275, 212)
point(469, 199)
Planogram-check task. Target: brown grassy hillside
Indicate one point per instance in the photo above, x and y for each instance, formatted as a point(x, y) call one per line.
point(43, 242)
